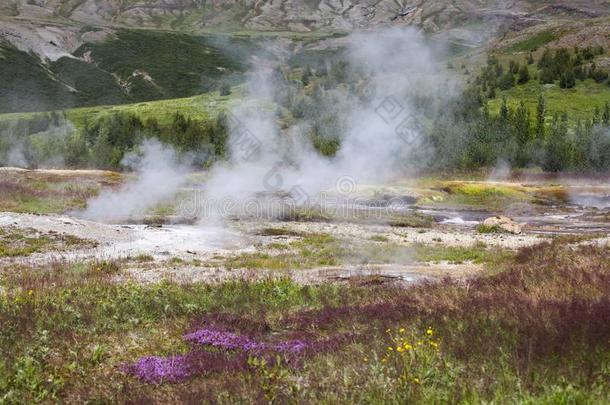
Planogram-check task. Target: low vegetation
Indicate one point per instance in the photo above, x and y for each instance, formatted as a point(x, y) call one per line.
point(49, 192)
point(130, 66)
point(482, 228)
point(483, 194)
point(15, 242)
point(536, 331)
point(312, 250)
point(320, 250)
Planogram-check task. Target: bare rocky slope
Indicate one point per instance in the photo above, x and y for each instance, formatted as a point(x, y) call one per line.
point(54, 27)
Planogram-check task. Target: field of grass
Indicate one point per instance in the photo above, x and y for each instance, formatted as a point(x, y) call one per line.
point(26, 85)
point(491, 196)
point(179, 65)
point(46, 193)
point(202, 107)
point(535, 332)
point(579, 102)
point(534, 42)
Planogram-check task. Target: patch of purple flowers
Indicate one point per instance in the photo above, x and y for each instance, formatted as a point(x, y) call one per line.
point(292, 346)
point(231, 341)
point(153, 369)
point(224, 340)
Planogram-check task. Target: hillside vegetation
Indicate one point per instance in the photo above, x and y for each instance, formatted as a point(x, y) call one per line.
point(127, 67)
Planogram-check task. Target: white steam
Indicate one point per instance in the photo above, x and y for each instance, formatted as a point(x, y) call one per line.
point(501, 171)
point(44, 149)
point(382, 132)
point(159, 176)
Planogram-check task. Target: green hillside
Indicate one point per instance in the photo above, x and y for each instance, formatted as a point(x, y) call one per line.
point(579, 102)
point(26, 84)
point(570, 80)
point(202, 107)
point(131, 66)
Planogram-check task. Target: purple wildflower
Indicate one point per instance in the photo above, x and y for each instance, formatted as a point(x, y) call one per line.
point(200, 361)
point(153, 369)
point(292, 346)
point(224, 340)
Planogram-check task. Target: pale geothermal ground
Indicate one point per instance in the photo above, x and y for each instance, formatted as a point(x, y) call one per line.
point(434, 233)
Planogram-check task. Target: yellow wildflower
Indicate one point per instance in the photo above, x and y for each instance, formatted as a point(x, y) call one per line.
point(434, 344)
point(402, 330)
point(416, 380)
point(399, 349)
point(429, 332)
point(408, 346)
point(390, 348)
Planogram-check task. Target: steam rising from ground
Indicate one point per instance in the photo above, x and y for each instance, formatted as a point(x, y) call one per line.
point(45, 149)
point(159, 176)
point(382, 130)
point(381, 137)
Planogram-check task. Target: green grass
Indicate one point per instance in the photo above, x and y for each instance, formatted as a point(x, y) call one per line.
point(27, 85)
point(483, 195)
point(478, 253)
point(578, 102)
point(16, 242)
point(535, 332)
point(113, 325)
point(178, 64)
point(534, 42)
point(278, 232)
point(411, 220)
point(482, 228)
point(316, 250)
point(311, 251)
point(49, 193)
point(203, 107)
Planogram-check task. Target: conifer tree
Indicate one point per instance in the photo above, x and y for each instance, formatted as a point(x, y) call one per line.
point(540, 113)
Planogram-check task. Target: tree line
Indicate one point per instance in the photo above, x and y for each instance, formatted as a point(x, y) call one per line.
point(50, 139)
point(561, 66)
point(470, 137)
point(461, 132)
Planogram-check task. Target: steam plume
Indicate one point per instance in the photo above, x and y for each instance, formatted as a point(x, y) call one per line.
point(159, 175)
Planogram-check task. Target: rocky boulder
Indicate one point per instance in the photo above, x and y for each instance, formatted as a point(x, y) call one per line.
point(504, 224)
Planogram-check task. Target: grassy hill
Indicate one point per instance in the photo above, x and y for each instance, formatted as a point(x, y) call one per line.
point(202, 107)
point(579, 102)
point(130, 66)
